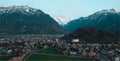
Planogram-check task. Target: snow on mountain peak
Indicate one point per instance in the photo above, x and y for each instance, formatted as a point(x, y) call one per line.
point(107, 11)
point(104, 12)
point(23, 9)
point(62, 20)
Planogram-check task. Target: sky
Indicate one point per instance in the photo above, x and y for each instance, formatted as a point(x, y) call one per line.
point(69, 8)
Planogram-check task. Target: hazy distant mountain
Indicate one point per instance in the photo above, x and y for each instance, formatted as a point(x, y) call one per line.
point(106, 20)
point(27, 20)
point(91, 35)
point(62, 20)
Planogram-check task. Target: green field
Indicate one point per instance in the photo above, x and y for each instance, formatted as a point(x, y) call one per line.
point(42, 57)
point(49, 50)
point(5, 58)
point(50, 54)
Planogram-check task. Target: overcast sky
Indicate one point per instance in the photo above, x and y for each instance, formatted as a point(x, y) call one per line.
point(69, 8)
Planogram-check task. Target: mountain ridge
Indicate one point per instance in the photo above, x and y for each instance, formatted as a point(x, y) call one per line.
point(106, 20)
point(27, 20)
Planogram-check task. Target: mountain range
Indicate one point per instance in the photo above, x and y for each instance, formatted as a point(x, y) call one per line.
point(105, 20)
point(27, 20)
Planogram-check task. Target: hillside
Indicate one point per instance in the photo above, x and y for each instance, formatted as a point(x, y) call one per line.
point(91, 35)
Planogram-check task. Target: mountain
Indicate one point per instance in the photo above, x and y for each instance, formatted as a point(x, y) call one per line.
point(62, 20)
point(27, 20)
point(105, 20)
point(91, 35)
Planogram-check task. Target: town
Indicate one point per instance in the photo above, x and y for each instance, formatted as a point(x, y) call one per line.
point(22, 46)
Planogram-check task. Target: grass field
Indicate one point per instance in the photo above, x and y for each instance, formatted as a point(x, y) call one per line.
point(50, 54)
point(49, 50)
point(5, 58)
point(40, 57)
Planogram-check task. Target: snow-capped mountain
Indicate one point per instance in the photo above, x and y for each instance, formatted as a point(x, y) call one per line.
point(62, 20)
point(19, 9)
point(27, 20)
point(106, 20)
